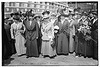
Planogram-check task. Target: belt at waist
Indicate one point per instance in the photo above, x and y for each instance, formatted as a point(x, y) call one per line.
point(45, 40)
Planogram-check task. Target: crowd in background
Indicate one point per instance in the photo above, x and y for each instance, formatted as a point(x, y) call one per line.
point(51, 34)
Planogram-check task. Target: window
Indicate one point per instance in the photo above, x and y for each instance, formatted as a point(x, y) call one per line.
point(45, 2)
point(22, 5)
point(12, 4)
point(40, 2)
point(38, 6)
point(17, 4)
point(17, 9)
point(45, 7)
point(6, 4)
point(21, 10)
point(32, 5)
point(50, 7)
point(12, 10)
point(40, 10)
point(35, 5)
point(26, 5)
point(41, 6)
point(25, 9)
point(52, 4)
point(7, 9)
point(29, 5)
point(49, 3)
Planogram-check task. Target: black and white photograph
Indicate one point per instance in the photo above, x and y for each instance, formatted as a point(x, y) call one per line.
point(44, 33)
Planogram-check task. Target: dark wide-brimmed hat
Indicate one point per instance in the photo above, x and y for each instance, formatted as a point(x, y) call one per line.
point(14, 14)
point(11, 14)
point(84, 14)
point(37, 16)
point(46, 12)
point(95, 13)
point(71, 14)
point(16, 18)
point(63, 15)
point(53, 14)
point(28, 13)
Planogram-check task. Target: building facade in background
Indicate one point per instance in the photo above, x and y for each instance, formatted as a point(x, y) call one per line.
point(39, 7)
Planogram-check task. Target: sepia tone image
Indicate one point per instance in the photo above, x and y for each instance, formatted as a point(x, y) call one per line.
point(50, 33)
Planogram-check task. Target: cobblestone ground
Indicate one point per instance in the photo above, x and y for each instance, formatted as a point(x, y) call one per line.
point(69, 60)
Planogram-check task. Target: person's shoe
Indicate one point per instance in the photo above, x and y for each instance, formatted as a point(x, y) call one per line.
point(52, 57)
point(84, 56)
point(76, 56)
point(27, 57)
point(67, 54)
point(80, 55)
point(19, 55)
point(44, 56)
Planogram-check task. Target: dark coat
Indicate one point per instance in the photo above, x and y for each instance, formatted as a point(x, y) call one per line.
point(30, 34)
point(62, 47)
point(63, 27)
point(94, 35)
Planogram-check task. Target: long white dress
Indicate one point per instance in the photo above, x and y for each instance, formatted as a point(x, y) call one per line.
point(71, 39)
point(17, 31)
point(48, 34)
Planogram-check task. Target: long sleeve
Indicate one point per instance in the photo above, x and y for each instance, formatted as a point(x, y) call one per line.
point(52, 30)
point(56, 23)
point(71, 24)
point(37, 29)
point(11, 30)
point(42, 31)
point(24, 27)
point(73, 30)
point(34, 34)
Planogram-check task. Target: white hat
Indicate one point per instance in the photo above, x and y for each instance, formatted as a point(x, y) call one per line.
point(56, 27)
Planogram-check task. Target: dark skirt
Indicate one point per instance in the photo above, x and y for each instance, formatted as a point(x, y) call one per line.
point(62, 47)
point(95, 52)
point(39, 42)
point(89, 48)
point(83, 47)
point(32, 48)
point(56, 41)
point(8, 45)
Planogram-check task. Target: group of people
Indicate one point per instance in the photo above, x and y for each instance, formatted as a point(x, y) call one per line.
point(50, 35)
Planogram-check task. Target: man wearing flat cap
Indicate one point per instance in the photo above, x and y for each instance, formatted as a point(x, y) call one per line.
point(31, 36)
